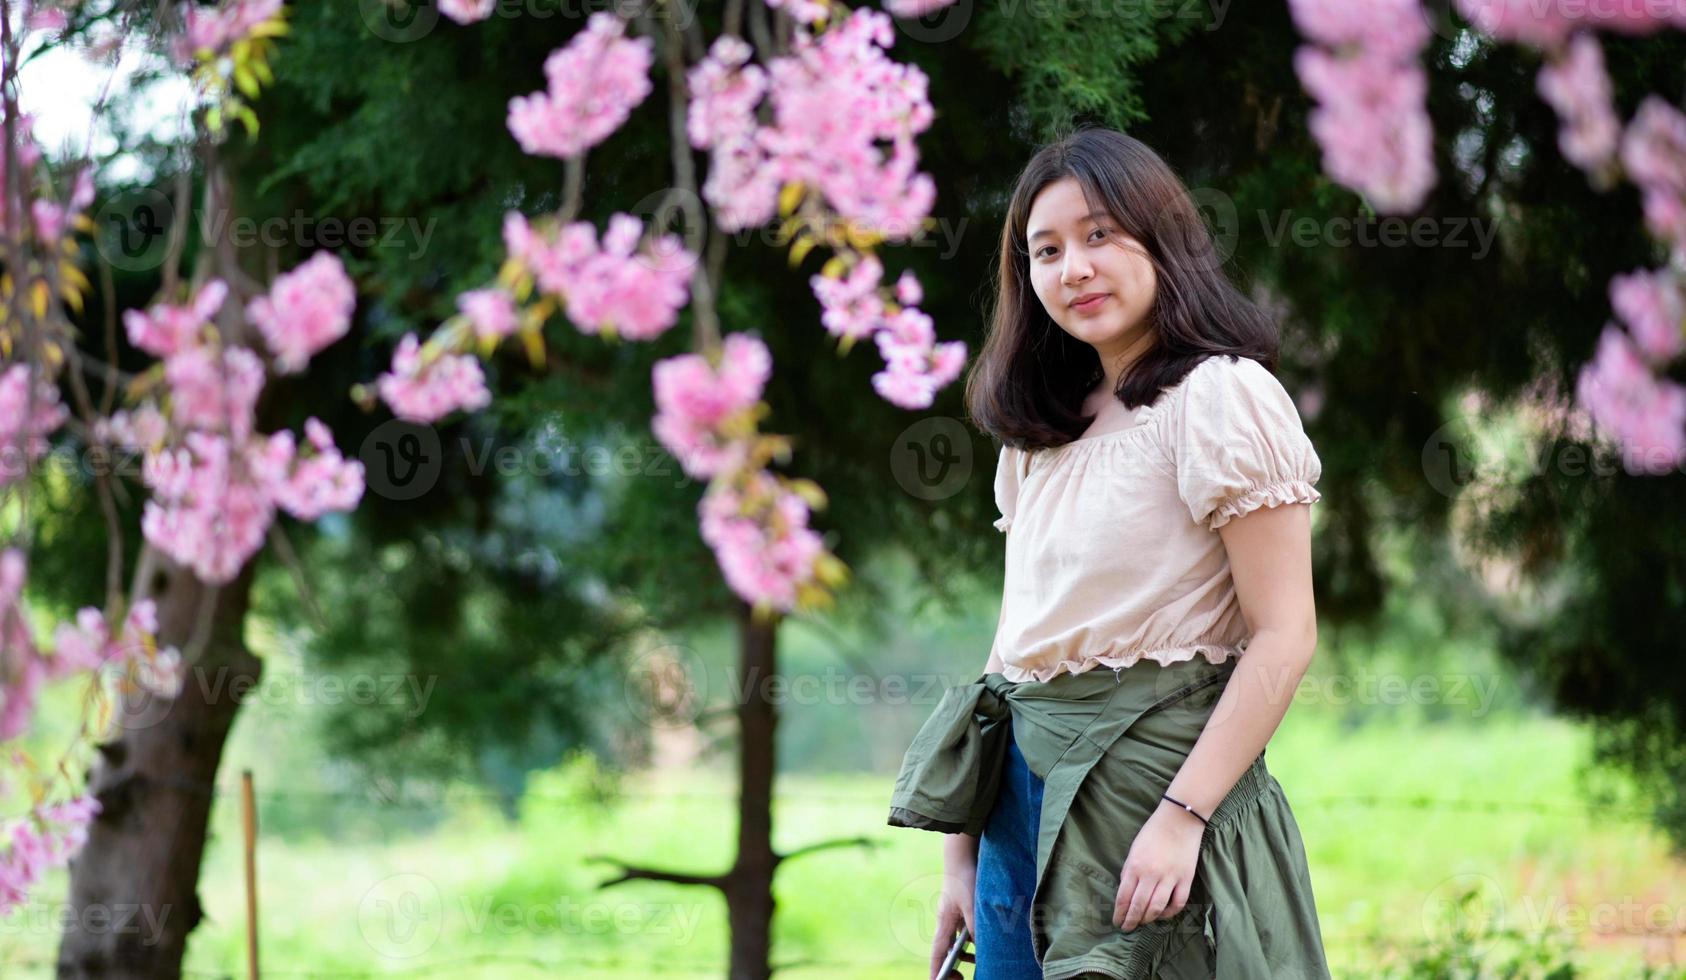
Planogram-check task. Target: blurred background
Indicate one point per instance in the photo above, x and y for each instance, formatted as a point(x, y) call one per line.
point(514, 672)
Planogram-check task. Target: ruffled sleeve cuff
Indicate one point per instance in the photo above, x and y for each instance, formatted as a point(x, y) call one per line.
point(1238, 443)
point(1008, 474)
point(1274, 495)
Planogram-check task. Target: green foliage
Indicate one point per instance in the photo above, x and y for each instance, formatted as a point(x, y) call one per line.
point(357, 126)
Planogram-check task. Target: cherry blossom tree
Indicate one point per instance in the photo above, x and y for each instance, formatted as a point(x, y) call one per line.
point(1372, 122)
point(214, 482)
point(767, 114)
point(830, 184)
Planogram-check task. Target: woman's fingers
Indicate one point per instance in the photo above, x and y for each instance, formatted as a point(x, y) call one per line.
point(1133, 893)
point(1161, 899)
point(947, 927)
point(1179, 899)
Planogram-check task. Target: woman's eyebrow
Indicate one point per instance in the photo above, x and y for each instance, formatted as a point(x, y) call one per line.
point(1092, 216)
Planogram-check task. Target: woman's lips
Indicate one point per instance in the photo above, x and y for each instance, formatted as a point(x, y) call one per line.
point(1092, 304)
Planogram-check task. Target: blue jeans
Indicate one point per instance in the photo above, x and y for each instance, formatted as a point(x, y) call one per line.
point(1007, 876)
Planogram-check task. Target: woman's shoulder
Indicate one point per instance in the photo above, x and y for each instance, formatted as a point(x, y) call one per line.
point(1230, 380)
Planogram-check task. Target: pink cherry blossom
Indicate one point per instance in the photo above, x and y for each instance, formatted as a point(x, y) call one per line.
point(1654, 153)
point(1643, 413)
point(1548, 23)
point(213, 501)
point(214, 491)
point(212, 392)
point(694, 398)
point(1536, 22)
point(1395, 29)
point(428, 392)
point(594, 83)
point(87, 645)
point(166, 329)
point(28, 415)
point(914, 9)
point(802, 11)
point(761, 539)
point(22, 671)
point(205, 510)
point(491, 311)
point(144, 428)
point(724, 93)
point(1372, 122)
point(467, 11)
point(851, 307)
point(84, 645)
point(48, 19)
point(637, 292)
point(48, 837)
point(915, 373)
point(306, 310)
point(843, 74)
point(908, 290)
point(322, 481)
point(1576, 85)
point(1654, 308)
point(216, 29)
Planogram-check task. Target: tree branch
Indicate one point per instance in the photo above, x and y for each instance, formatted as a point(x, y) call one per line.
point(634, 873)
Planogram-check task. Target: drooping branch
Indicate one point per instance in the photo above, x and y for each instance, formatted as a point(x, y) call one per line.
point(705, 319)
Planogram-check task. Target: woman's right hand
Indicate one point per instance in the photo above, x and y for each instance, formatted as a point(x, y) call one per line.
point(954, 909)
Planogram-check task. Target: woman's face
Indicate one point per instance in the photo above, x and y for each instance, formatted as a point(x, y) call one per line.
point(1073, 255)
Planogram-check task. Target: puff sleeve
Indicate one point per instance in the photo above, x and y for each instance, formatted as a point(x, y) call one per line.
point(1009, 471)
point(1239, 444)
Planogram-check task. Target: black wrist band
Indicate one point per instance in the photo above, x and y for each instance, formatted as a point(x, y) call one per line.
point(1185, 806)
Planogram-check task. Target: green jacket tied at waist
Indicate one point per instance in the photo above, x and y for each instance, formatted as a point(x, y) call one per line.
point(1107, 743)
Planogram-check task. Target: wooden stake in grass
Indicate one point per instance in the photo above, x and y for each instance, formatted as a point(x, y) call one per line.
point(249, 826)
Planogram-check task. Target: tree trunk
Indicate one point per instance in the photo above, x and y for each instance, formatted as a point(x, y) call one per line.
point(749, 885)
point(134, 885)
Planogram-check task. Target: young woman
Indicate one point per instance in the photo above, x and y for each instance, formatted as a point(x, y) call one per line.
point(1155, 485)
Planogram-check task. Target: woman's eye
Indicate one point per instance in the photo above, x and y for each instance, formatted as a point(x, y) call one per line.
point(1103, 232)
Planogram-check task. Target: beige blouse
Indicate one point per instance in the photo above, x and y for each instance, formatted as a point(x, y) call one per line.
point(1112, 546)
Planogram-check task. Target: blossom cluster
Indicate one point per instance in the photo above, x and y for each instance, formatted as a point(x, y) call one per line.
point(1372, 116)
point(47, 837)
point(216, 29)
point(29, 413)
point(593, 84)
point(49, 219)
point(215, 481)
point(841, 74)
point(756, 522)
point(1368, 65)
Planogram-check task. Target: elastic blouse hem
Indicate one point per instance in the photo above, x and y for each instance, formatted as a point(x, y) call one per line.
point(1214, 653)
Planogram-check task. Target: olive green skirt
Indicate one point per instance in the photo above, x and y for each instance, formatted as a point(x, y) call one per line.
point(1250, 914)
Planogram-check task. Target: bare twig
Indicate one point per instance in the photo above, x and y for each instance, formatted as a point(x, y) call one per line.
point(705, 320)
point(634, 873)
point(290, 558)
point(827, 845)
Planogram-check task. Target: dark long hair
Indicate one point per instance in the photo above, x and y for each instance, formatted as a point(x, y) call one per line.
point(1027, 385)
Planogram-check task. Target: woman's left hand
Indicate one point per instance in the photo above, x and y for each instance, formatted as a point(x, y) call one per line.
point(1159, 870)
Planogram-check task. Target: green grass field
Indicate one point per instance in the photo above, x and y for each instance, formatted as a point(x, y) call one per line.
point(476, 895)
